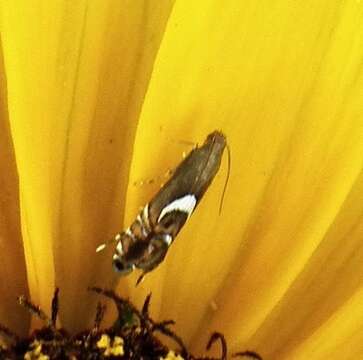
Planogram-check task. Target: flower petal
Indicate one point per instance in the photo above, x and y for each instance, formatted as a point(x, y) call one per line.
point(337, 338)
point(12, 265)
point(77, 74)
point(287, 96)
point(323, 293)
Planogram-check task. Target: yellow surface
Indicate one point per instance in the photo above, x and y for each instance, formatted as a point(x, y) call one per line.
point(104, 94)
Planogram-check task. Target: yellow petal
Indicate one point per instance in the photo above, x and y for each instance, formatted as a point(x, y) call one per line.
point(31, 91)
point(277, 270)
point(77, 74)
point(12, 265)
point(287, 95)
point(339, 337)
point(324, 298)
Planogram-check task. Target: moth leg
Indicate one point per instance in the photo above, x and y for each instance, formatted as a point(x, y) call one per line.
point(153, 180)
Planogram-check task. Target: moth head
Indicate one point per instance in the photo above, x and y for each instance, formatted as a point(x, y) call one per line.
point(128, 250)
point(142, 255)
point(121, 266)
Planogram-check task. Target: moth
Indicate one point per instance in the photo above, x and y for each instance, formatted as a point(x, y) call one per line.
point(145, 243)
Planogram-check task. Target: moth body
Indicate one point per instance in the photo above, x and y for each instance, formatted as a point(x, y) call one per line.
point(145, 243)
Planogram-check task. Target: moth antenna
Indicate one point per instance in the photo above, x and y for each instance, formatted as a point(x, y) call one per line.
point(169, 140)
point(189, 143)
point(227, 178)
point(153, 180)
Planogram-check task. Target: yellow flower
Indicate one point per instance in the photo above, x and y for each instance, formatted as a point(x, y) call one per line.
point(114, 348)
point(36, 353)
point(96, 95)
point(171, 356)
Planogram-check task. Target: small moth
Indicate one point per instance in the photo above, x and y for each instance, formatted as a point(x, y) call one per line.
point(145, 243)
